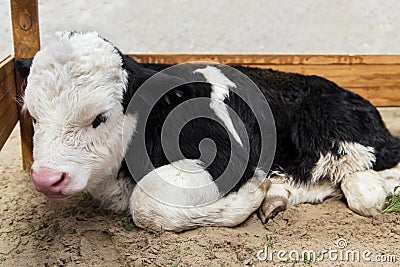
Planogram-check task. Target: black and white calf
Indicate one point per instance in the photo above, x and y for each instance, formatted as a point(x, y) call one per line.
point(329, 141)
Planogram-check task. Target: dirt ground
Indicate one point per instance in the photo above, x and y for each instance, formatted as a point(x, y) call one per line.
point(36, 231)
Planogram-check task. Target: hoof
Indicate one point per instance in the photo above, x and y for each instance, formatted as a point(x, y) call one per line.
point(271, 207)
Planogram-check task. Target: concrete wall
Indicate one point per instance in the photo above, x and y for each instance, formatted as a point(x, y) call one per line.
point(225, 26)
point(5, 29)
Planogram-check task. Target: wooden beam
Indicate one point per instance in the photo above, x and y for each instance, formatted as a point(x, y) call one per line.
point(375, 77)
point(8, 106)
point(25, 25)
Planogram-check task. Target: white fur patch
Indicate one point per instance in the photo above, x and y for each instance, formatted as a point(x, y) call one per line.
point(161, 200)
point(220, 90)
point(354, 157)
point(188, 178)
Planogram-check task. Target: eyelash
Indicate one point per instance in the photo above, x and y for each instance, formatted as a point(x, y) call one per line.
point(99, 120)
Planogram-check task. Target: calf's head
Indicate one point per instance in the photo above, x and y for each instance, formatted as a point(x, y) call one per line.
point(75, 88)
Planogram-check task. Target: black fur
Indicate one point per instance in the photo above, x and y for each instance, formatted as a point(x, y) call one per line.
point(312, 116)
point(23, 66)
point(192, 133)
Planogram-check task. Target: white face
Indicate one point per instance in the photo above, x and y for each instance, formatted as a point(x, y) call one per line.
point(74, 93)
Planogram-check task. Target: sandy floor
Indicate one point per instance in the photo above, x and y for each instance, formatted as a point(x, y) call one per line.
point(36, 231)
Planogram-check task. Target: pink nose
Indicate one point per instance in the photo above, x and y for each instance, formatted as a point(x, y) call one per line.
point(49, 182)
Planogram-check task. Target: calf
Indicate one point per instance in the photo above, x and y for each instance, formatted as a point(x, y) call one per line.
point(98, 129)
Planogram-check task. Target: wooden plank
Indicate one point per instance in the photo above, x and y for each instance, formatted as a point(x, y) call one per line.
point(6, 117)
point(6, 83)
point(8, 127)
point(386, 96)
point(377, 83)
point(375, 77)
point(6, 67)
point(8, 106)
point(25, 24)
point(348, 75)
point(259, 59)
point(8, 101)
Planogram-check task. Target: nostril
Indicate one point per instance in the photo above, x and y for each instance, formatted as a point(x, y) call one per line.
point(59, 181)
point(49, 181)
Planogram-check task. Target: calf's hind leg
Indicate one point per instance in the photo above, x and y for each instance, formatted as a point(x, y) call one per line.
point(182, 195)
point(283, 194)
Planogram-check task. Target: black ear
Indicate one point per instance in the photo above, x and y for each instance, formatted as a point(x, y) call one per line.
point(23, 66)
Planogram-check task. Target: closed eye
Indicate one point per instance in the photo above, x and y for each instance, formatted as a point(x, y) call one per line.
point(99, 120)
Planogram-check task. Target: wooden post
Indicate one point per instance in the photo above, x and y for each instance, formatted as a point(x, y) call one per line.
point(25, 24)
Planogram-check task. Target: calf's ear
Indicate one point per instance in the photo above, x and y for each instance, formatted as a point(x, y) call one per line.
point(23, 66)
